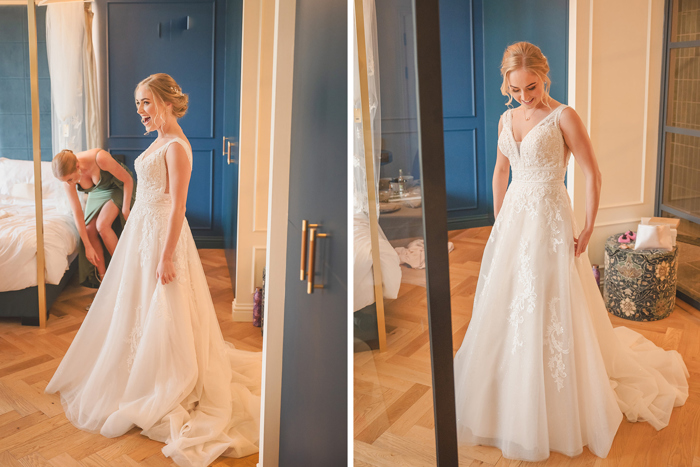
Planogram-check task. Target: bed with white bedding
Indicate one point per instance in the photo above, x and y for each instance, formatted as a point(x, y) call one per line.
point(18, 241)
point(363, 288)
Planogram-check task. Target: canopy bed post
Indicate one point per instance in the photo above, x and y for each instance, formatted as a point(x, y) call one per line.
point(369, 170)
point(36, 147)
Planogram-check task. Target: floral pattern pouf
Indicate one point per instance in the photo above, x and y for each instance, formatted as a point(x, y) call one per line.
point(639, 285)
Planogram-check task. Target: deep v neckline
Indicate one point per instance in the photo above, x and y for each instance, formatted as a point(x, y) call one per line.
point(512, 134)
point(88, 190)
point(145, 156)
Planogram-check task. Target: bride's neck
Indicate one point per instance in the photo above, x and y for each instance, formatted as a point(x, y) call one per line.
point(169, 129)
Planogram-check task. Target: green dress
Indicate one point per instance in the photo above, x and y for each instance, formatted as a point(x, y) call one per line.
point(108, 188)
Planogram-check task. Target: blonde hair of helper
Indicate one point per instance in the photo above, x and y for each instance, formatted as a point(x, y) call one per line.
point(64, 163)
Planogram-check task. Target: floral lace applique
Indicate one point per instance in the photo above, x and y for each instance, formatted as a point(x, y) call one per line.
point(159, 306)
point(556, 346)
point(540, 202)
point(134, 338)
point(539, 165)
point(153, 205)
point(542, 147)
point(525, 300)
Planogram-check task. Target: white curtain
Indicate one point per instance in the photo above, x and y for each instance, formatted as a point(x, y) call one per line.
point(75, 117)
point(363, 294)
point(360, 178)
point(93, 116)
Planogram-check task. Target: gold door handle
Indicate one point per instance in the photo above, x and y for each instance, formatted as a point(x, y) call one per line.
point(305, 226)
point(228, 153)
point(226, 149)
point(310, 286)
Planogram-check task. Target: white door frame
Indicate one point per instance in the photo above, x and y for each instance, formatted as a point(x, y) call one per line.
point(278, 207)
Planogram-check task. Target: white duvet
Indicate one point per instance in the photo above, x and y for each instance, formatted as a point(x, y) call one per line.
point(18, 227)
point(363, 273)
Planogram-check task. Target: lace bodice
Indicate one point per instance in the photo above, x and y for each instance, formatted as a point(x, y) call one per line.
point(542, 155)
point(153, 175)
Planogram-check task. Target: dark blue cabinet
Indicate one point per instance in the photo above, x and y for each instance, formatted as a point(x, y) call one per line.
point(473, 37)
point(462, 55)
point(544, 23)
point(187, 41)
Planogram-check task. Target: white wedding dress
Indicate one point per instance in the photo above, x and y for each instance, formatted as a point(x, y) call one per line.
point(152, 355)
point(541, 368)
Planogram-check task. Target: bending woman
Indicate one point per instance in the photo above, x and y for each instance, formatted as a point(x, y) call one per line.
point(111, 192)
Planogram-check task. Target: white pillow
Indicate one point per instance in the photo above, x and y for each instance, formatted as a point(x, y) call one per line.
point(23, 190)
point(14, 171)
point(653, 237)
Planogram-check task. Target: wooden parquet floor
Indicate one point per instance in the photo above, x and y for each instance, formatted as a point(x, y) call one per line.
point(33, 428)
point(393, 398)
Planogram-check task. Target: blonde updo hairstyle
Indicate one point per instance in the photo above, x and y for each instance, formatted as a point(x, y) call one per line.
point(64, 163)
point(528, 56)
point(165, 90)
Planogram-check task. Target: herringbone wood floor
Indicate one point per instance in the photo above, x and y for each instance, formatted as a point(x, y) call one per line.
point(393, 397)
point(33, 429)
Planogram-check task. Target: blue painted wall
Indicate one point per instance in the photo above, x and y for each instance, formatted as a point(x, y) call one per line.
point(15, 99)
point(473, 36)
point(145, 38)
point(544, 23)
point(462, 54)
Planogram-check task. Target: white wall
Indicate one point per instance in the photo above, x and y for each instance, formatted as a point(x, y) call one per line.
point(280, 148)
point(254, 158)
point(615, 69)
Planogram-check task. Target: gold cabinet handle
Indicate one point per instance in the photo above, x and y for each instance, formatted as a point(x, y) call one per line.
point(226, 149)
point(310, 286)
point(228, 153)
point(305, 226)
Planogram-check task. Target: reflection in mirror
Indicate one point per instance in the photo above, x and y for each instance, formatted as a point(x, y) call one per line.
point(393, 400)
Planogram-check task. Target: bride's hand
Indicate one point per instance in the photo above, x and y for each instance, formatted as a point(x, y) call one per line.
point(581, 243)
point(165, 272)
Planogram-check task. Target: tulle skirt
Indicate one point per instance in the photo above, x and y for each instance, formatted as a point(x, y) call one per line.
point(153, 356)
point(541, 368)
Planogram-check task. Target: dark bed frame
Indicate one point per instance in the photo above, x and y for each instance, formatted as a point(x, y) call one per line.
point(24, 303)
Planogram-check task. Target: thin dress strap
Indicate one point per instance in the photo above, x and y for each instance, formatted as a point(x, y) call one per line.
point(508, 118)
point(557, 113)
point(187, 148)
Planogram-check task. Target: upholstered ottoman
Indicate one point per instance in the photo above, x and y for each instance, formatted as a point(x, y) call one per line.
point(639, 284)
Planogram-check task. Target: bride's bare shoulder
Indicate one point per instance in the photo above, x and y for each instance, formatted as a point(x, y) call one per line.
point(569, 117)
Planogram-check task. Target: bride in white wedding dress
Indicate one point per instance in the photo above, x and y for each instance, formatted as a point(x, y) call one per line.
point(150, 352)
point(541, 368)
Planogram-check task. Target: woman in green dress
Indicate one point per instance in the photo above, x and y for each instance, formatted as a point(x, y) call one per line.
point(111, 192)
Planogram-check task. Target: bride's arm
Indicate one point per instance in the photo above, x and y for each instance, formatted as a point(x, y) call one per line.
point(576, 138)
point(179, 171)
point(500, 177)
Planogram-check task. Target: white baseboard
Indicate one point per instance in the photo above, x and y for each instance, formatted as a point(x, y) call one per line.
point(242, 312)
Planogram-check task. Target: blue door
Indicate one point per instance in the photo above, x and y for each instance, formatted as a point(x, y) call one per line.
point(313, 418)
point(461, 49)
point(185, 40)
point(232, 106)
point(473, 37)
